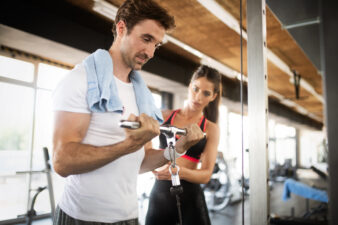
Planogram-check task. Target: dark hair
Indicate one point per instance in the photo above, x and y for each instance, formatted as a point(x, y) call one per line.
point(134, 11)
point(212, 75)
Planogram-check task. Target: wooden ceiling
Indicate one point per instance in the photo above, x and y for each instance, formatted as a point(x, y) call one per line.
point(203, 31)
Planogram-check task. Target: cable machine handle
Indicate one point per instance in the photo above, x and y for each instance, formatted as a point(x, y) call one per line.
point(163, 128)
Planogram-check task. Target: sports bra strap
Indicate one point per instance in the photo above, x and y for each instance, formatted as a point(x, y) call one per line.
point(170, 119)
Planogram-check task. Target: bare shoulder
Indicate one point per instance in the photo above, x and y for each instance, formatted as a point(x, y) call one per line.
point(166, 113)
point(212, 128)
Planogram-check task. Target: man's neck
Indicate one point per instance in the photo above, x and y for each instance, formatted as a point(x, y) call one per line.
point(120, 69)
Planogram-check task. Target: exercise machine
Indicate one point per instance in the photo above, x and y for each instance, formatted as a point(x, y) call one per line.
point(31, 213)
point(170, 133)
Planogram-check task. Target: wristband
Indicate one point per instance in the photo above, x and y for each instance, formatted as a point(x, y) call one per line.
point(169, 157)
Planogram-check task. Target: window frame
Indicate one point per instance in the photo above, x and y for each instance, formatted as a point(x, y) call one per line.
point(35, 60)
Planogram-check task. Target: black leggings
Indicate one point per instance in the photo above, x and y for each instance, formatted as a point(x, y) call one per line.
point(163, 207)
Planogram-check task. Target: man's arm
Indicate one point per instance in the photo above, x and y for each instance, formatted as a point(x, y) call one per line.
point(152, 159)
point(70, 156)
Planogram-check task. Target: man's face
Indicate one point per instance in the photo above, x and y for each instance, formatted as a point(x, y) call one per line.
point(139, 45)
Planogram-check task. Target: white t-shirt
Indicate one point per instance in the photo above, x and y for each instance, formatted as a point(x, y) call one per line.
point(107, 194)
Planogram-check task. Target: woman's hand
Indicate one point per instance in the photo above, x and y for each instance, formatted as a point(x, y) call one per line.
point(194, 135)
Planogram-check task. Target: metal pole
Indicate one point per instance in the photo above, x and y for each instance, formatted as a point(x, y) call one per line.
point(48, 170)
point(297, 148)
point(29, 179)
point(258, 112)
point(329, 49)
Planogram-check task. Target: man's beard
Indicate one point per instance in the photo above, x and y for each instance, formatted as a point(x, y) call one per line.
point(133, 62)
point(141, 56)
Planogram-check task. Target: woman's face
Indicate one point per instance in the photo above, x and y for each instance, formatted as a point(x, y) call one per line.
point(201, 92)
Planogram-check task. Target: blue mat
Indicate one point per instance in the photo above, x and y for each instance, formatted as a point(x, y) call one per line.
point(303, 190)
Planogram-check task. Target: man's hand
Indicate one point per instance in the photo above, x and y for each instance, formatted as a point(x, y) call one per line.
point(163, 173)
point(148, 130)
point(194, 135)
point(71, 156)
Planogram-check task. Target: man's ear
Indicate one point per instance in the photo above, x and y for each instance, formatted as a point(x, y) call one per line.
point(121, 28)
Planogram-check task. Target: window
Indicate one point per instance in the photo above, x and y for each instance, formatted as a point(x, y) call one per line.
point(16, 125)
point(312, 148)
point(26, 127)
point(16, 69)
point(49, 76)
point(158, 100)
point(223, 125)
point(285, 144)
point(235, 143)
point(282, 144)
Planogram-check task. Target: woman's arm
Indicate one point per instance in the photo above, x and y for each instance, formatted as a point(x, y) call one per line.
point(202, 175)
point(155, 158)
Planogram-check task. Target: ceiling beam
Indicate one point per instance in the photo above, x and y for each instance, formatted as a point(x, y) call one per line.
point(43, 21)
point(213, 7)
point(109, 10)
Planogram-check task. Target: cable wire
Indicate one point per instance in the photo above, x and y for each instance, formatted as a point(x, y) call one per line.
point(178, 202)
point(242, 111)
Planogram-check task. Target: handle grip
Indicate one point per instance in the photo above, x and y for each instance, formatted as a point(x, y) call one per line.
point(163, 128)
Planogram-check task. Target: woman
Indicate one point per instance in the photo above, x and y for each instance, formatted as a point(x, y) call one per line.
point(202, 108)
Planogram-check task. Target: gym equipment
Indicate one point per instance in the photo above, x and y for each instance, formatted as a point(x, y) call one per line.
point(217, 190)
point(170, 132)
point(31, 213)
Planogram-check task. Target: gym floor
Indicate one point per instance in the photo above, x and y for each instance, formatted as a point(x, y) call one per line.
point(233, 213)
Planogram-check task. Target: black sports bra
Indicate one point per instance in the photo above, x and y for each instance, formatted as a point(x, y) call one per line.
point(193, 153)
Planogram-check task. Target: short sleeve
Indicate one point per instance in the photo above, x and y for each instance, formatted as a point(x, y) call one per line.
point(70, 94)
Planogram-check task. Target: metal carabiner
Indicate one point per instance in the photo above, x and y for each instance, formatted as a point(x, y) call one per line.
point(175, 179)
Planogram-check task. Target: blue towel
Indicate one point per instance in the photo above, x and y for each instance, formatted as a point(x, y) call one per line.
point(303, 190)
point(102, 95)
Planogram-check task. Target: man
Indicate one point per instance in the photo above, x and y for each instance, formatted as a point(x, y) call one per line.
point(101, 160)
